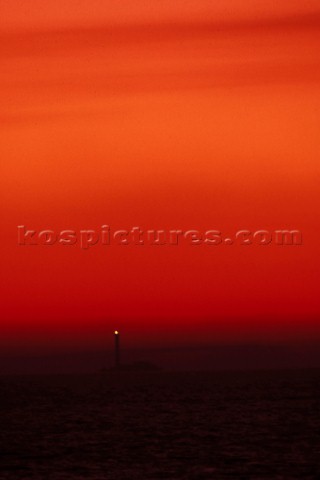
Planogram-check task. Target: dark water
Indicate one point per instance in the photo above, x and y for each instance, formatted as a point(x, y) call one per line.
point(258, 425)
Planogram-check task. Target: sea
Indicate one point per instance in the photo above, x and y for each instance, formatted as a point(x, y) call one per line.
point(161, 425)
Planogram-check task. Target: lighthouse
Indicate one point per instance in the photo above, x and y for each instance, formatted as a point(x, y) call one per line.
point(116, 349)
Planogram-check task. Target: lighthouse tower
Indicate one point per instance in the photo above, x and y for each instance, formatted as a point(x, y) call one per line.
point(116, 349)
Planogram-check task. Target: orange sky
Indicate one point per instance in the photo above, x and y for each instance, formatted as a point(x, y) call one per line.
point(192, 115)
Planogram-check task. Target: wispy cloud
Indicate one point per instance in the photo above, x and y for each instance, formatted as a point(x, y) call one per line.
point(67, 68)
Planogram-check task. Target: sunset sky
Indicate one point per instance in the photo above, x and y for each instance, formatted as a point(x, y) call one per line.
point(168, 115)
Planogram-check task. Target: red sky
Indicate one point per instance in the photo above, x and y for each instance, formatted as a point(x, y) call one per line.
point(186, 114)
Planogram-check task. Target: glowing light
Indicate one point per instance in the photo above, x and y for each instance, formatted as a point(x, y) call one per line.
point(116, 332)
